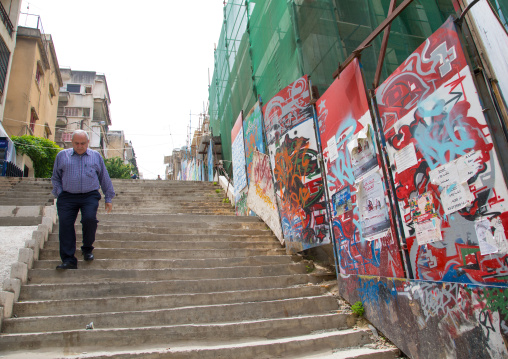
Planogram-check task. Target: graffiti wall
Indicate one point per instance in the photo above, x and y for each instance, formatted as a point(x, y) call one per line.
point(448, 183)
point(210, 161)
point(293, 150)
point(434, 320)
point(253, 136)
point(239, 175)
point(261, 197)
point(365, 237)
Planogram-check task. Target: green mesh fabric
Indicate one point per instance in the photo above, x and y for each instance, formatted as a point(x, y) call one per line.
point(501, 8)
point(265, 45)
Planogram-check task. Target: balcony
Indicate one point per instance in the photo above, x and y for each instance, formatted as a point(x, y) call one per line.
point(6, 20)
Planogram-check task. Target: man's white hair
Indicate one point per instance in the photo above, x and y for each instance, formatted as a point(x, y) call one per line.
point(80, 132)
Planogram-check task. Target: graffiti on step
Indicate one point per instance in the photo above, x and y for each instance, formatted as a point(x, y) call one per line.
point(439, 144)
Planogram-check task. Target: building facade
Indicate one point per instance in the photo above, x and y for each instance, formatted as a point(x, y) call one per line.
point(9, 15)
point(83, 104)
point(32, 100)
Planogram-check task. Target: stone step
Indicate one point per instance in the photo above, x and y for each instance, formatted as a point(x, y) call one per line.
point(158, 218)
point(221, 313)
point(247, 348)
point(79, 341)
point(174, 263)
point(88, 274)
point(116, 289)
point(172, 230)
point(126, 254)
point(115, 304)
point(120, 245)
point(104, 236)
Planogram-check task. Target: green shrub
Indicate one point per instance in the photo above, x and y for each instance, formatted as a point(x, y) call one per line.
point(358, 309)
point(41, 151)
point(217, 190)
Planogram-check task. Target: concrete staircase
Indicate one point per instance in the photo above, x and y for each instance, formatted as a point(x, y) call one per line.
point(177, 275)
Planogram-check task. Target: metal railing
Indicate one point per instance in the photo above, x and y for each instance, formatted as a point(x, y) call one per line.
point(6, 20)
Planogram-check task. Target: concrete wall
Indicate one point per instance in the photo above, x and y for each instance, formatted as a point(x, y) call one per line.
point(434, 320)
point(116, 142)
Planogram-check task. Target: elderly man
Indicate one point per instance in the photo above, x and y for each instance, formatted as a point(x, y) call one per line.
point(77, 175)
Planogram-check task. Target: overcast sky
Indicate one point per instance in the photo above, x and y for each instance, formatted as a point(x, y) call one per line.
point(156, 56)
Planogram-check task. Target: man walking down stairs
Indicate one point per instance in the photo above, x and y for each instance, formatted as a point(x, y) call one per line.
point(177, 275)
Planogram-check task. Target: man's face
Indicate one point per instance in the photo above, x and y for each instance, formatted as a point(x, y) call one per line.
point(80, 143)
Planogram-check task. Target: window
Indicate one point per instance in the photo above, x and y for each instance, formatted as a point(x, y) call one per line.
point(86, 111)
point(52, 92)
point(88, 89)
point(72, 111)
point(4, 63)
point(38, 73)
point(67, 137)
point(74, 88)
point(33, 119)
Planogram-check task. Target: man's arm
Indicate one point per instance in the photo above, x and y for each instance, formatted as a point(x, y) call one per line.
point(56, 178)
point(105, 181)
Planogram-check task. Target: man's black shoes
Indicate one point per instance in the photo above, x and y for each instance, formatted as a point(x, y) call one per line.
point(67, 265)
point(88, 257)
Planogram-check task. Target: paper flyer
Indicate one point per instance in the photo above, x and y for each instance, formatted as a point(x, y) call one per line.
point(485, 238)
point(428, 231)
point(456, 197)
point(406, 158)
point(422, 207)
point(333, 153)
point(374, 218)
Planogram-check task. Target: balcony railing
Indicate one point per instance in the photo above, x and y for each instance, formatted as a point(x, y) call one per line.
point(6, 20)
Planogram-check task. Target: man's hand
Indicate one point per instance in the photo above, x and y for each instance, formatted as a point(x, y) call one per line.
point(109, 207)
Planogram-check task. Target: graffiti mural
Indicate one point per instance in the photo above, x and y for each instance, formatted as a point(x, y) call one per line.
point(362, 229)
point(287, 109)
point(439, 144)
point(299, 187)
point(210, 161)
point(253, 135)
point(261, 197)
point(434, 320)
point(238, 156)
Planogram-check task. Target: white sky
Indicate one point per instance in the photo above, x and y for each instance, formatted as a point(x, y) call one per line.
point(156, 56)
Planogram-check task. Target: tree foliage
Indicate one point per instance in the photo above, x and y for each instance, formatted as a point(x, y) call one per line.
point(117, 169)
point(41, 151)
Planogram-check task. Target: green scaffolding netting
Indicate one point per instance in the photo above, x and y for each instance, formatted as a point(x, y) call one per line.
point(265, 45)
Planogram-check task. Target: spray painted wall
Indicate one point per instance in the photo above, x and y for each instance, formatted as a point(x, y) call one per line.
point(365, 236)
point(450, 189)
point(239, 175)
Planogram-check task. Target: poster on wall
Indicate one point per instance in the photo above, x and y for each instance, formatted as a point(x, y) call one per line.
point(362, 228)
point(238, 159)
point(210, 161)
point(430, 112)
point(253, 135)
point(261, 197)
point(293, 152)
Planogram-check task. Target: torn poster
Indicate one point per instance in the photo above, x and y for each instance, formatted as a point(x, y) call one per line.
point(428, 231)
point(363, 155)
point(374, 218)
point(333, 153)
point(485, 237)
point(422, 207)
point(342, 202)
point(455, 197)
point(458, 171)
point(406, 158)
point(499, 235)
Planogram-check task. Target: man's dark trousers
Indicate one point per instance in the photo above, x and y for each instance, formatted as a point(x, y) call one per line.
point(68, 205)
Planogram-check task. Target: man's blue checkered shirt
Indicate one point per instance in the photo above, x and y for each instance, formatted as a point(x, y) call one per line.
point(81, 174)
